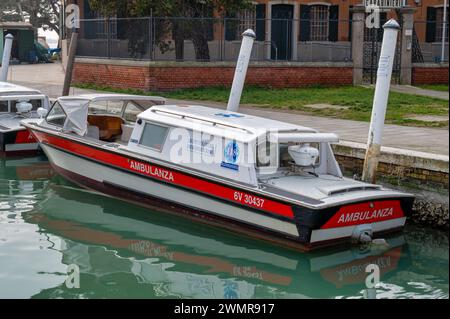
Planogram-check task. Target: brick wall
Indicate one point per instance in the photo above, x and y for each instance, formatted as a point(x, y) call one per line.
point(429, 74)
point(167, 76)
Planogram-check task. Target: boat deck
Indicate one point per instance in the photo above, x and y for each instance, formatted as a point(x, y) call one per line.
point(10, 122)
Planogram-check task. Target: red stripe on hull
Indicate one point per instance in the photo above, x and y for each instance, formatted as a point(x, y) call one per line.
point(165, 206)
point(24, 137)
point(169, 176)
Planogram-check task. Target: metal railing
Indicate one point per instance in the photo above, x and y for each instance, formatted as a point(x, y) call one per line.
point(212, 39)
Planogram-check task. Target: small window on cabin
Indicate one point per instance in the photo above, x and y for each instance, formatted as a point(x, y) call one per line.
point(106, 107)
point(56, 115)
point(35, 103)
point(4, 106)
point(153, 136)
point(131, 112)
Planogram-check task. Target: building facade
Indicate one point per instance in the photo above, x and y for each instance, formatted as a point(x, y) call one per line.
point(298, 43)
point(292, 29)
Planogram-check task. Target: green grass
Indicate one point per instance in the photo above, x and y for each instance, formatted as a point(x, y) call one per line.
point(358, 100)
point(435, 87)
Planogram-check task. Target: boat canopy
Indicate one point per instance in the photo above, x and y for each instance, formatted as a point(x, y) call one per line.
point(76, 115)
point(76, 108)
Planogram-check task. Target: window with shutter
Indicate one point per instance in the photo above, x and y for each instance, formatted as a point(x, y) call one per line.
point(319, 23)
point(246, 20)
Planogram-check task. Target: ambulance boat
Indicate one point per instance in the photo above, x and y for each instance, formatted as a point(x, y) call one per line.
point(253, 175)
point(258, 176)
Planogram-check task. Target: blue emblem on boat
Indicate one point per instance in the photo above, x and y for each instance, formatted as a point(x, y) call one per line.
point(231, 155)
point(229, 115)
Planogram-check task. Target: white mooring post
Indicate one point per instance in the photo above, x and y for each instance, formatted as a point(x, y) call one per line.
point(380, 100)
point(248, 37)
point(6, 57)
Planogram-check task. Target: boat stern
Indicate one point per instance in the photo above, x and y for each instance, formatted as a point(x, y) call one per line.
point(357, 222)
point(17, 141)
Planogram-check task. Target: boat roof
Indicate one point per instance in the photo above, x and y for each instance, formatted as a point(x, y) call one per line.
point(113, 97)
point(245, 127)
point(7, 88)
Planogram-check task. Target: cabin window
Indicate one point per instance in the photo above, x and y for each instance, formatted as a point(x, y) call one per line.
point(131, 112)
point(4, 106)
point(56, 115)
point(106, 107)
point(35, 103)
point(153, 136)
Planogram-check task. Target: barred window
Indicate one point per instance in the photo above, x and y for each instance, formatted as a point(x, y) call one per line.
point(247, 20)
point(439, 24)
point(319, 20)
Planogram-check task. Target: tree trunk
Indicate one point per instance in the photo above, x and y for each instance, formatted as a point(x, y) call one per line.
point(200, 45)
point(178, 35)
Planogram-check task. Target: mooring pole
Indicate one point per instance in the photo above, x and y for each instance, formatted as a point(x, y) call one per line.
point(241, 70)
point(380, 100)
point(6, 57)
point(70, 62)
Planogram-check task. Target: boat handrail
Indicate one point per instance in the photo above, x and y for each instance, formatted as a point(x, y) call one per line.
point(5, 97)
point(201, 119)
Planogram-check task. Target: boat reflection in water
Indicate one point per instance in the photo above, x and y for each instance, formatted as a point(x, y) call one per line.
point(123, 251)
point(22, 182)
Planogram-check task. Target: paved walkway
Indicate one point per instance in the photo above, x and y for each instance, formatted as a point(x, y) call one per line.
point(429, 140)
point(414, 90)
point(49, 78)
point(408, 89)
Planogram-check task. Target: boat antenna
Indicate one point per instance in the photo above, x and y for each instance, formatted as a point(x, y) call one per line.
point(248, 37)
point(6, 57)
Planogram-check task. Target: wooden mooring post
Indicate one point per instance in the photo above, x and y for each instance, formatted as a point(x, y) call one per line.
point(70, 62)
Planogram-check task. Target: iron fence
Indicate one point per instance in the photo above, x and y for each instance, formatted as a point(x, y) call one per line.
point(214, 39)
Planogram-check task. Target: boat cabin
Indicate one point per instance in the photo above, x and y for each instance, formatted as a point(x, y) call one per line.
point(19, 99)
point(228, 145)
point(231, 145)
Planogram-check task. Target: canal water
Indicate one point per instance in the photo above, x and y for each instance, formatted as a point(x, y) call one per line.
point(49, 227)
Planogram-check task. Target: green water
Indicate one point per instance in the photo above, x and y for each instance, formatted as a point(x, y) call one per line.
point(122, 250)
